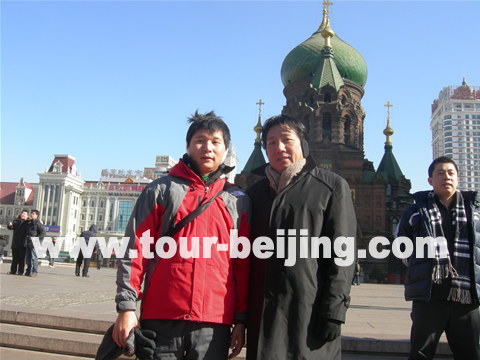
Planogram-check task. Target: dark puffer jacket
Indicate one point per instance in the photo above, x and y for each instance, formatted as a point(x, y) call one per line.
point(414, 223)
point(91, 232)
point(34, 228)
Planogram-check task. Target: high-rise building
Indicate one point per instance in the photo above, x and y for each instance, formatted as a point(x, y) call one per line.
point(455, 129)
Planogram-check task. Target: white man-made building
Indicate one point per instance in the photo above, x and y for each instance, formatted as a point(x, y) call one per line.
point(455, 127)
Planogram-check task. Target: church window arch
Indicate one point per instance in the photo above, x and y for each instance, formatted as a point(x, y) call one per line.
point(327, 97)
point(347, 128)
point(326, 126)
point(394, 225)
point(310, 99)
point(306, 122)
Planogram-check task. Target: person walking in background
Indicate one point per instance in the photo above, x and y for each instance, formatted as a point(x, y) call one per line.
point(296, 311)
point(34, 228)
point(18, 248)
point(99, 257)
point(356, 276)
point(444, 288)
point(90, 233)
point(51, 258)
point(3, 243)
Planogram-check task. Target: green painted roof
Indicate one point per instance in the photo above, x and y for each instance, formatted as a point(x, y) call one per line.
point(389, 164)
point(303, 61)
point(255, 160)
point(369, 176)
point(327, 72)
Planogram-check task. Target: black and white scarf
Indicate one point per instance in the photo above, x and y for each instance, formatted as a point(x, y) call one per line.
point(458, 265)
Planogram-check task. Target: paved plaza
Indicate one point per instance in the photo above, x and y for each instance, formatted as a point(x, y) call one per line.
point(378, 320)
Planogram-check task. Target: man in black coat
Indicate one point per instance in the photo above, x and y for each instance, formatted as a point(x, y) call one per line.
point(297, 303)
point(92, 232)
point(18, 248)
point(34, 228)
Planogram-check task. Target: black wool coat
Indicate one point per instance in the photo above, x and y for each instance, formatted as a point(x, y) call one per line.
point(19, 228)
point(286, 302)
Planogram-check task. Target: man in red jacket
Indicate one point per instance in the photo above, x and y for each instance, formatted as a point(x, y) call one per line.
point(192, 296)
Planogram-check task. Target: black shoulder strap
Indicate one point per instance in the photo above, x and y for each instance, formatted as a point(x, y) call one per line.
point(187, 219)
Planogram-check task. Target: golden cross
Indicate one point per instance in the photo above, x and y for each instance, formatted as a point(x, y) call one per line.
point(260, 103)
point(388, 105)
point(326, 3)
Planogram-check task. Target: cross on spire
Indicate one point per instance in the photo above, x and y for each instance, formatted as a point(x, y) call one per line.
point(260, 103)
point(258, 127)
point(388, 105)
point(326, 4)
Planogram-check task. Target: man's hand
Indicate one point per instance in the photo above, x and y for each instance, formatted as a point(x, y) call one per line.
point(126, 321)
point(238, 339)
point(328, 329)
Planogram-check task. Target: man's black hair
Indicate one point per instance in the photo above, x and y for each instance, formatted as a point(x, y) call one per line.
point(440, 160)
point(208, 121)
point(293, 124)
point(36, 212)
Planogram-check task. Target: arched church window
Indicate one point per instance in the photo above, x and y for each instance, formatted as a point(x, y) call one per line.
point(394, 225)
point(346, 131)
point(389, 190)
point(306, 123)
point(310, 99)
point(327, 126)
point(327, 97)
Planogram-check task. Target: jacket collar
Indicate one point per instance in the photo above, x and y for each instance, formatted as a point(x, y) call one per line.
point(310, 165)
point(187, 169)
point(468, 196)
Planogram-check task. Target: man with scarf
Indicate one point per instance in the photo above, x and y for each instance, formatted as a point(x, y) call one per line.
point(190, 298)
point(296, 310)
point(444, 288)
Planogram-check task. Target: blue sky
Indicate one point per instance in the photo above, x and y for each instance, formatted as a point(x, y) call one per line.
point(112, 82)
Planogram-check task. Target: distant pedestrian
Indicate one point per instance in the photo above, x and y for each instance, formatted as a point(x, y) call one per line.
point(86, 261)
point(99, 257)
point(34, 228)
point(18, 248)
point(3, 243)
point(51, 258)
point(356, 276)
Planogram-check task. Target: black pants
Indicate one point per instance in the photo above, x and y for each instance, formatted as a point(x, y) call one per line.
point(189, 340)
point(461, 325)
point(18, 261)
point(86, 265)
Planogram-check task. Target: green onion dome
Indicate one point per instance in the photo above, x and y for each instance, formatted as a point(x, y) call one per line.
point(303, 61)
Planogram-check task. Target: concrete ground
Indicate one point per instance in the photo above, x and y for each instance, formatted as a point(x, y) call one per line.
point(378, 319)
